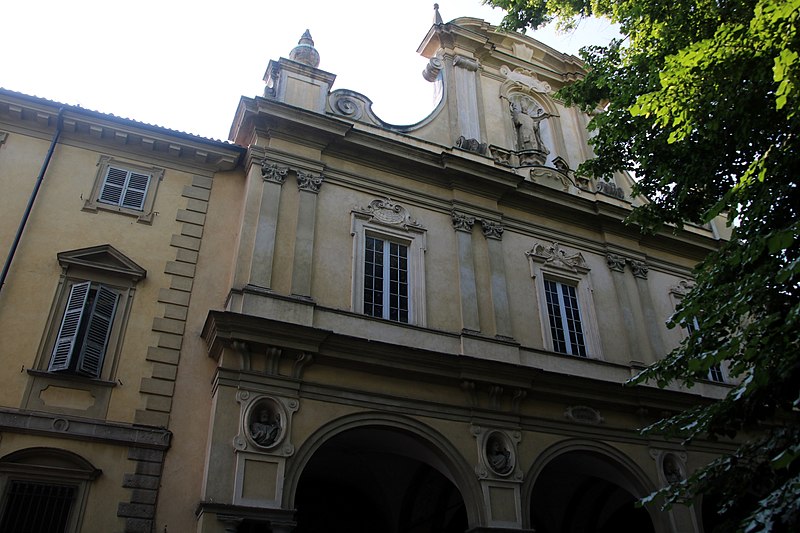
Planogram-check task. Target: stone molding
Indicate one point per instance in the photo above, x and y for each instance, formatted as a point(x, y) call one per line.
point(64, 426)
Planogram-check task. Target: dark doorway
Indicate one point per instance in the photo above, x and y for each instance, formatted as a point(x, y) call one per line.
point(581, 492)
point(377, 480)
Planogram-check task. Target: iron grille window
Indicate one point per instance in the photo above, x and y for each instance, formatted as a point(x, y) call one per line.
point(565, 318)
point(37, 507)
point(386, 279)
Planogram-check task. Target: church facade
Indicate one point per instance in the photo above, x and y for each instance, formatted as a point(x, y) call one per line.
point(375, 327)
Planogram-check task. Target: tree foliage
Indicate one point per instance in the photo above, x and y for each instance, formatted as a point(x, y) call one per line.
point(701, 102)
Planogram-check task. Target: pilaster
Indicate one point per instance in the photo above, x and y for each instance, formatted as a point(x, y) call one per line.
point(466, 271)
point(309, 185)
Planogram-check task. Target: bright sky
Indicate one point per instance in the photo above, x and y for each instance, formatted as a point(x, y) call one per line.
point(184, 64)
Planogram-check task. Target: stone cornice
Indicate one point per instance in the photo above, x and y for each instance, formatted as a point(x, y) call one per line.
point(104, 129)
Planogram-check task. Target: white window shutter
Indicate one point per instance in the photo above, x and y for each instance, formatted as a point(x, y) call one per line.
point(68, 332)
point(90, 361)
point(113, 185)
point(136, 191)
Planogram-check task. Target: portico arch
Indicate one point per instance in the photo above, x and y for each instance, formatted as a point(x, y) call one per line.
point(588, 486)
point(402, 474)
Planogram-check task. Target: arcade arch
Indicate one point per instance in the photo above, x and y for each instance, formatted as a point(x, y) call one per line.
point(588, 487)
point(373, 473)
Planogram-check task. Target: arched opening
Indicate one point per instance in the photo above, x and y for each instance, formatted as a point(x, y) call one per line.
point(586, 492)
point(377, 479)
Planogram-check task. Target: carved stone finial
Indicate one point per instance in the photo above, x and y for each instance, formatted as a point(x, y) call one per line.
point(309, 182)
point(462, 222)
point(305, 52)
point(437, 18)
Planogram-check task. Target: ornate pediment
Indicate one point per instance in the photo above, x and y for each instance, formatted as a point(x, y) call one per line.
point(555, 257)
point(389, 213)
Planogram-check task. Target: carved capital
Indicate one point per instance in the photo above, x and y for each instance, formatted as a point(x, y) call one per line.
point(462, 222)
point(682, 288)
point(492, 230)
point(309, 182)
point(466, 63)
point(639, 268)
point(615, 262)
point(273, 172)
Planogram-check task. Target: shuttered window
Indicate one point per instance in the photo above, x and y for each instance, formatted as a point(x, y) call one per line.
point(124, 188)
point(82, 339)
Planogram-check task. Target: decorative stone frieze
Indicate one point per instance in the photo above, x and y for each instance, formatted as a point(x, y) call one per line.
point(639, 268)
point(554, 256)
point(309, 182)
point(615, 262)
point(462, 222)
point(492, 230)
point(273, 172)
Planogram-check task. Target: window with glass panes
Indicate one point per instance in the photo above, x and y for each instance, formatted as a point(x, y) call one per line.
point(715, 372)
point(565, 318)
point(386, 279)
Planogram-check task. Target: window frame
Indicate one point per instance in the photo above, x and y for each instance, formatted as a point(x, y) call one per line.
point(554, 264)
point(572, 345)
point(387, 296)
point(49, 466)
point(677, 294)
point(100, 266)
point(105, 165)
point(389, 222)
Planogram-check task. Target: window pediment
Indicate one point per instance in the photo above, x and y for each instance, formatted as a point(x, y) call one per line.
point(104, 258)
point(553, 256)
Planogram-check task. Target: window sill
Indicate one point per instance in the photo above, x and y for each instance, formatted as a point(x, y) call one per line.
point(73, 378)
point(93, 206)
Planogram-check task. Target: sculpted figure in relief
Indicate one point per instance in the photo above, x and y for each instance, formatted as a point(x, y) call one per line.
point(266, 428)
point(498, 455)
point(527, 120)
